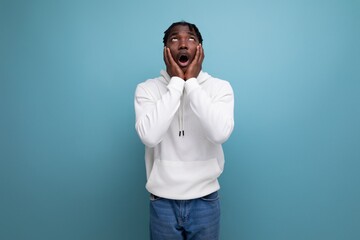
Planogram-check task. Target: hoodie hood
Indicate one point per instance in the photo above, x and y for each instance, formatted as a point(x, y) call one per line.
point(202, 77)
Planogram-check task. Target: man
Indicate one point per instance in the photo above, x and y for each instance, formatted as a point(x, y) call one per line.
point(183, 117)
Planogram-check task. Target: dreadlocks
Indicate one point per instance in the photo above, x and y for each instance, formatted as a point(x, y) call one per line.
point(191, 26)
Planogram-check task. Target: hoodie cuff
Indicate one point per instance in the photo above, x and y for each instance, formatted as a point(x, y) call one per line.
point(177, 84)
point(191, 84)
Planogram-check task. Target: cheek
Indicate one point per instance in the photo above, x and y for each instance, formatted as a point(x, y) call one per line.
point(193, 51)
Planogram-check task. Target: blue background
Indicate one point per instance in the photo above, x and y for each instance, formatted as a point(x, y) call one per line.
point(72, 165)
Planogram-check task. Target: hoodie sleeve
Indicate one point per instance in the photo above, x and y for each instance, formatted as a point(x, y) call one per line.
point(216, 113)
point(154, 114)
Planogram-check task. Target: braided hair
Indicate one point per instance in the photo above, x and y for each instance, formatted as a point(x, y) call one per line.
point(191, 26)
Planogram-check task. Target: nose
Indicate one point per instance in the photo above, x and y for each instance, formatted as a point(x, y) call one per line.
point(183, 44)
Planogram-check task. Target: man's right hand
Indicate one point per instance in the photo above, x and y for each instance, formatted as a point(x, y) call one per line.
point(172, 68)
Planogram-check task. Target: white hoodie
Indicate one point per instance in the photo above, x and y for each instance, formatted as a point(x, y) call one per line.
point(183, 124)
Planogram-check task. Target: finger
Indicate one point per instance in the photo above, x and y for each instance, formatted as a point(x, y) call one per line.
point(166, 59)
point(197, 55)
point(202, 54)
point(170, 58)
point(199, 60)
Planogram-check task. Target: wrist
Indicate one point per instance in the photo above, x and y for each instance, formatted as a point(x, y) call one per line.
point(187, 77)
point(191, 84)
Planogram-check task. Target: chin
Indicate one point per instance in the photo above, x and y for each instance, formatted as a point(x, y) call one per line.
point(184, 68)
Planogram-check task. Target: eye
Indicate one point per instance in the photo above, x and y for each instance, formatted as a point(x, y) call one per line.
point(191, 39)
point(174, 39)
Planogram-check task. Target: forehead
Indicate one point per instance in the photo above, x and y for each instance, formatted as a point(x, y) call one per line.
point(181, 29)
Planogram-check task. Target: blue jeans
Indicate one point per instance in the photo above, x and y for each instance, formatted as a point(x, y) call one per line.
point(196, 219)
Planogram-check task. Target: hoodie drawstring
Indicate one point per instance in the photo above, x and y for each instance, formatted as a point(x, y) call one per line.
point(181, 117)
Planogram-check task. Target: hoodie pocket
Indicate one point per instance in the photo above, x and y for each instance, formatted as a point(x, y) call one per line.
point(178, 179)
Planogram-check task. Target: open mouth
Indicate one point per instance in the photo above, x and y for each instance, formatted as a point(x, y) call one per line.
point(183, 60)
